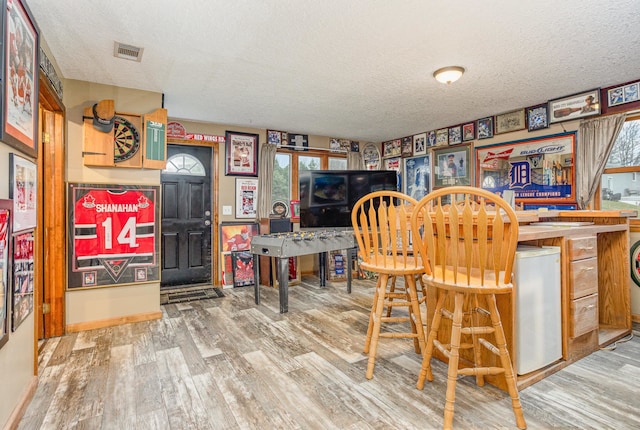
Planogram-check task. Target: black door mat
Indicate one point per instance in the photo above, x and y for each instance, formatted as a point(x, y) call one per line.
point(180, 295)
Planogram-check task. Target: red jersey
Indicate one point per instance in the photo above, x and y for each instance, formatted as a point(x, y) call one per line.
point(114, 224)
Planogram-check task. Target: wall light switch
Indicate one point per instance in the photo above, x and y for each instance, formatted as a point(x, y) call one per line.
point(226, 210)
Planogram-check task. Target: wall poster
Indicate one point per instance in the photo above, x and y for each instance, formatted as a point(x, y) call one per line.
point(541, 169)
point(417, 176)
point(246, 198)
point(243, 268)
point(20, 86)
point(23, 182)
point(113, 235)
point(23, 270)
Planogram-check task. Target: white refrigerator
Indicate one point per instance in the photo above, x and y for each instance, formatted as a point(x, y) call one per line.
point(538, 307)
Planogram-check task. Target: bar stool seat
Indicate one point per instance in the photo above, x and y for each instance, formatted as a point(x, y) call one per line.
point(468, 249)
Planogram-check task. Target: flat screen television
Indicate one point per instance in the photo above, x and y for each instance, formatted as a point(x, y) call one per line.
point(327, 196)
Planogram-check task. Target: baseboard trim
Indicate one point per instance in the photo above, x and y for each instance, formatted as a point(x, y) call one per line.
point(21, 407)
point(111, 322)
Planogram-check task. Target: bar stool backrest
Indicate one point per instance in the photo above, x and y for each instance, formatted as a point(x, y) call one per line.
point(381, 224)
point(468, 233)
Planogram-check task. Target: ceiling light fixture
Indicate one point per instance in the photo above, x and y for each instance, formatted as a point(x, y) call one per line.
point(446, 75)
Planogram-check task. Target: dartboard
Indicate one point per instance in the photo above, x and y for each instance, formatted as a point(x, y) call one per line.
point(126, 140)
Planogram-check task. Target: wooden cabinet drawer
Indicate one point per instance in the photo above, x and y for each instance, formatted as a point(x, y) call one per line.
point(583, 277)
point(583, 247)
point(584, 315)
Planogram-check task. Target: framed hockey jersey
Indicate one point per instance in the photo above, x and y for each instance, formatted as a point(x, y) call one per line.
point(113, 235)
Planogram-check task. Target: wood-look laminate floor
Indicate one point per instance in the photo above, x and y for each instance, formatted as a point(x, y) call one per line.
point(228, 364)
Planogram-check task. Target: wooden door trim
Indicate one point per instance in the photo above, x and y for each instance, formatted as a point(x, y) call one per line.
point(52, 231)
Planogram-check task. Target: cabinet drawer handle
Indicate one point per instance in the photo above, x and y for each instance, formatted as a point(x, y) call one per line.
point(586, 248)
point(588, 308)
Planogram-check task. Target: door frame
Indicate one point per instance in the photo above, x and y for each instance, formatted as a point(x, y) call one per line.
point(215, 177)
point(51, 233)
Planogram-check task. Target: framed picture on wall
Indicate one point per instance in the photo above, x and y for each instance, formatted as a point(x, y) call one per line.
point(575, 106)
point(455, 135)
point(392, 164)
point(23, 277)
point(23, 181)
point(242, 153)
point(537, 117)
point(407, 146)
point(243, 268)
point(484, 128)
point(417, 176)
point(113, 235)
point(299, 142)
point(510, 121)
point(452, 166)
point(392, 148)
point(623, 94)
point(468, 131)
point(442, 136)
point(431, 139)
point(246, 198)
point(420, 144)
point(274, 137)
point(20, 101)
point(236, 236)
point(6, 207)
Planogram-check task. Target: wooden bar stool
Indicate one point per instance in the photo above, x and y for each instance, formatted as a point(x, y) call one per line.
point(467, 238)
point(381, 224)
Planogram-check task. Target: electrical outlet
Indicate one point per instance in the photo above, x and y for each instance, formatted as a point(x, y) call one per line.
point(226, 210)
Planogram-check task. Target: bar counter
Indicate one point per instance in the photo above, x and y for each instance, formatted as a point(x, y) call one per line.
point(596, 310)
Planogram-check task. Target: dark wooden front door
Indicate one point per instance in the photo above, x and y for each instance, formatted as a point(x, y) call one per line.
point(186, 216)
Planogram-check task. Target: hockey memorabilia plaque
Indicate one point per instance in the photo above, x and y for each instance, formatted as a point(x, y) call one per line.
point(113, 235)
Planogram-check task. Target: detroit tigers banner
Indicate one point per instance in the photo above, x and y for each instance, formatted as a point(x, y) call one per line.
point(539, 170)
point(113, 235)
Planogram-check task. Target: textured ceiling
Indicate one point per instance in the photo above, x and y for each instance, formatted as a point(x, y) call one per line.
point(359, 69)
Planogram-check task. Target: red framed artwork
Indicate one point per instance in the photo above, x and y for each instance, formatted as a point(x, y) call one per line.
point(243, 268)
point(236, 236)
point(20, 71)
point(113, 235)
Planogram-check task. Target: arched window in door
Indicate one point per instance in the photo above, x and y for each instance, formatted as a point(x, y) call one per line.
point(184, 164)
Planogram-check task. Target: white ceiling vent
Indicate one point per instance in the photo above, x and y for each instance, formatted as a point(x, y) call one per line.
point(127, 52)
